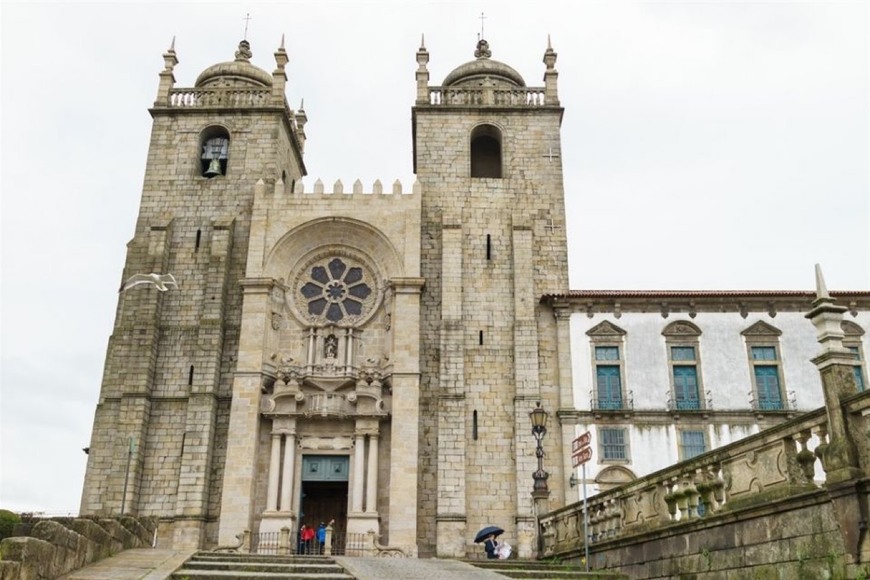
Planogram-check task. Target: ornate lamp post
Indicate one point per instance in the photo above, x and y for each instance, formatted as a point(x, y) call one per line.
point(538, 417)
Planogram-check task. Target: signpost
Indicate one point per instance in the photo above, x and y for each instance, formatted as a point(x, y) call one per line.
point(581, 453)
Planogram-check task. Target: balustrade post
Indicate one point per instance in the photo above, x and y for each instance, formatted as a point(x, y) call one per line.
point(284, 541)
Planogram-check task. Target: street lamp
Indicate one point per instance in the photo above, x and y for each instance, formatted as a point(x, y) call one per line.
point(538, 417)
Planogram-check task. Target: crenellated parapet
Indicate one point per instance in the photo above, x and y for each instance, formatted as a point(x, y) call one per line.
point(281, 189)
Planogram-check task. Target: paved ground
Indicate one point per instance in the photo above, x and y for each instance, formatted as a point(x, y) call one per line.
point(413, 569)
point(152, 564)
point(137, 564)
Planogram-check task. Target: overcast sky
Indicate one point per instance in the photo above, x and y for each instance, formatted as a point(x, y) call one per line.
point(706, 145)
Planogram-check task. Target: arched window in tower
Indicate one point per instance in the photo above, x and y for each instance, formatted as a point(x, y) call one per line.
point(214, 149)
point(486, 152)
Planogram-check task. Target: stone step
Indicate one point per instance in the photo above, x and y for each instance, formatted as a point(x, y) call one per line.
point(248, 566)
point(188, 574)
point(227, 565)
point(235, 556)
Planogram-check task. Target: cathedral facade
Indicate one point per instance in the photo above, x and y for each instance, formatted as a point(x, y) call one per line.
point(371, 355)
point(364, 355)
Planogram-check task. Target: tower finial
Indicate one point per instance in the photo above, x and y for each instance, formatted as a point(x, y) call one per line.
point(247, 19)
point(549, 44)
point(422, 41)
point(282, 41)
point(482, 18)
point(821, 288)
point(172, 44)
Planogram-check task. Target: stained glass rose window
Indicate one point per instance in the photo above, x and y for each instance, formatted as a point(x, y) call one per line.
point(335, 290)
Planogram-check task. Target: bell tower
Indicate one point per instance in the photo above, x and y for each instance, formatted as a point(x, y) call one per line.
point(487, 155)
point(160, 429)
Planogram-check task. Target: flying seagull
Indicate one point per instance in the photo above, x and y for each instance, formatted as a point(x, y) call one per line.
point(160, 281)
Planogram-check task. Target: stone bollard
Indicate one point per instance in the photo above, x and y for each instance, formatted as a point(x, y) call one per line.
point(245, 548)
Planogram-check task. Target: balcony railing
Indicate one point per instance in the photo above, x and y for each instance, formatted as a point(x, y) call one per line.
point(680, 404)
point(773, 404)
point(611, 403)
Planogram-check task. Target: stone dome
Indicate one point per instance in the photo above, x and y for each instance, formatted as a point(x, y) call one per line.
point(483, 67)
point(236, 72)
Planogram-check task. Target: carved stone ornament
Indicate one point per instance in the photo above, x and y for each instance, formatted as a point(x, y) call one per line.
point(276, 320)
point(605, 329)
point(681, 328)
point(326, 443)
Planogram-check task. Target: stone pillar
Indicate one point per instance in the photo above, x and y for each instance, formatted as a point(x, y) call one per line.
point(287, 475)
point(358, 472)
point(372, 482)
point(167, 78)
point(240, 474)
point(422, 74)
point(551, 92)
point(274, 473)
point(840, 457)
point(405, 437)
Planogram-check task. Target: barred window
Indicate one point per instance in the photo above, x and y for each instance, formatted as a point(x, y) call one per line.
point(613, 444)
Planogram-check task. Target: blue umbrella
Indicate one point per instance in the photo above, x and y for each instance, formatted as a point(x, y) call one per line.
point(486, 532)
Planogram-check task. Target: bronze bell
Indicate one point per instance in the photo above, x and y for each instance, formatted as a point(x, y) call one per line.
point(214, 168)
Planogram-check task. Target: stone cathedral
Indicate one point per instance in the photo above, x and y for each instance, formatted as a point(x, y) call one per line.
point(368, 356)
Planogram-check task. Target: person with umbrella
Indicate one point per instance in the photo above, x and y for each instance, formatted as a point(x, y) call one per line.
point(488, 536)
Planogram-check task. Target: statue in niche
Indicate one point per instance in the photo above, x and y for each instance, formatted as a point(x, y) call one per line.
point(330, 346)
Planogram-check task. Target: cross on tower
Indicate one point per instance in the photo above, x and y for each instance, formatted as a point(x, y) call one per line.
point(550, 226)
point(550, 154)
point(482, 18)
point(247, 19)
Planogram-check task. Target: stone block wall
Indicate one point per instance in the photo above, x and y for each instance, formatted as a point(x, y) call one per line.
point(58, 546)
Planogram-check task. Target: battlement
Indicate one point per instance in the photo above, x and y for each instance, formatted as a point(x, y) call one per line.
point(281, 189)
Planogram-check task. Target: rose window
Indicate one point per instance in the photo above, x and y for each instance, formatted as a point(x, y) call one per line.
point(336, 291)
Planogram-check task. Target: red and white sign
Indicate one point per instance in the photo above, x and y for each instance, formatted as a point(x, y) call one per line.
point(580, 450)
point(580, 442)
point(582, 457)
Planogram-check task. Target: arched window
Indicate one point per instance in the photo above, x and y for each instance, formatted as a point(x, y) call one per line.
point(682, 339)
point(607, 342)
point(214, 149)
point(486, 152)
point(852, 334)
point(762, 347)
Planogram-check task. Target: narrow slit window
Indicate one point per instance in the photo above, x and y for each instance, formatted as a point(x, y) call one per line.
point(488, 247)
point(474, 426)
point(190, 376)
point(480, 338)
point(198, 240)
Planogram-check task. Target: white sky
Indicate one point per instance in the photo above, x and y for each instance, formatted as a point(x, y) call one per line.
point(706, 145)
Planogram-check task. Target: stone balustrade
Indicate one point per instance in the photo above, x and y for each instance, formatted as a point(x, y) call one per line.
point(488, 96)
point(777, 463)
point(327, 404)
point(221, 97)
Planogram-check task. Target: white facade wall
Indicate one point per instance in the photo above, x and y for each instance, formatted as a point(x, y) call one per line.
point(724, 370)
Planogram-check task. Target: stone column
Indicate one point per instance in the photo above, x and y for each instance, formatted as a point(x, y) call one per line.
point(358, 472)
point(405, 436)
point(274, 473)
point(372, 482)
point(287, 475)
point(240, 473)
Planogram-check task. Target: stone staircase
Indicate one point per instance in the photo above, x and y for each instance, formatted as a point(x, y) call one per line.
point(226, 566)
point(542, 570)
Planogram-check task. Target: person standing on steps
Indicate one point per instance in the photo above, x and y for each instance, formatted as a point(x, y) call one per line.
point(321, 537)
